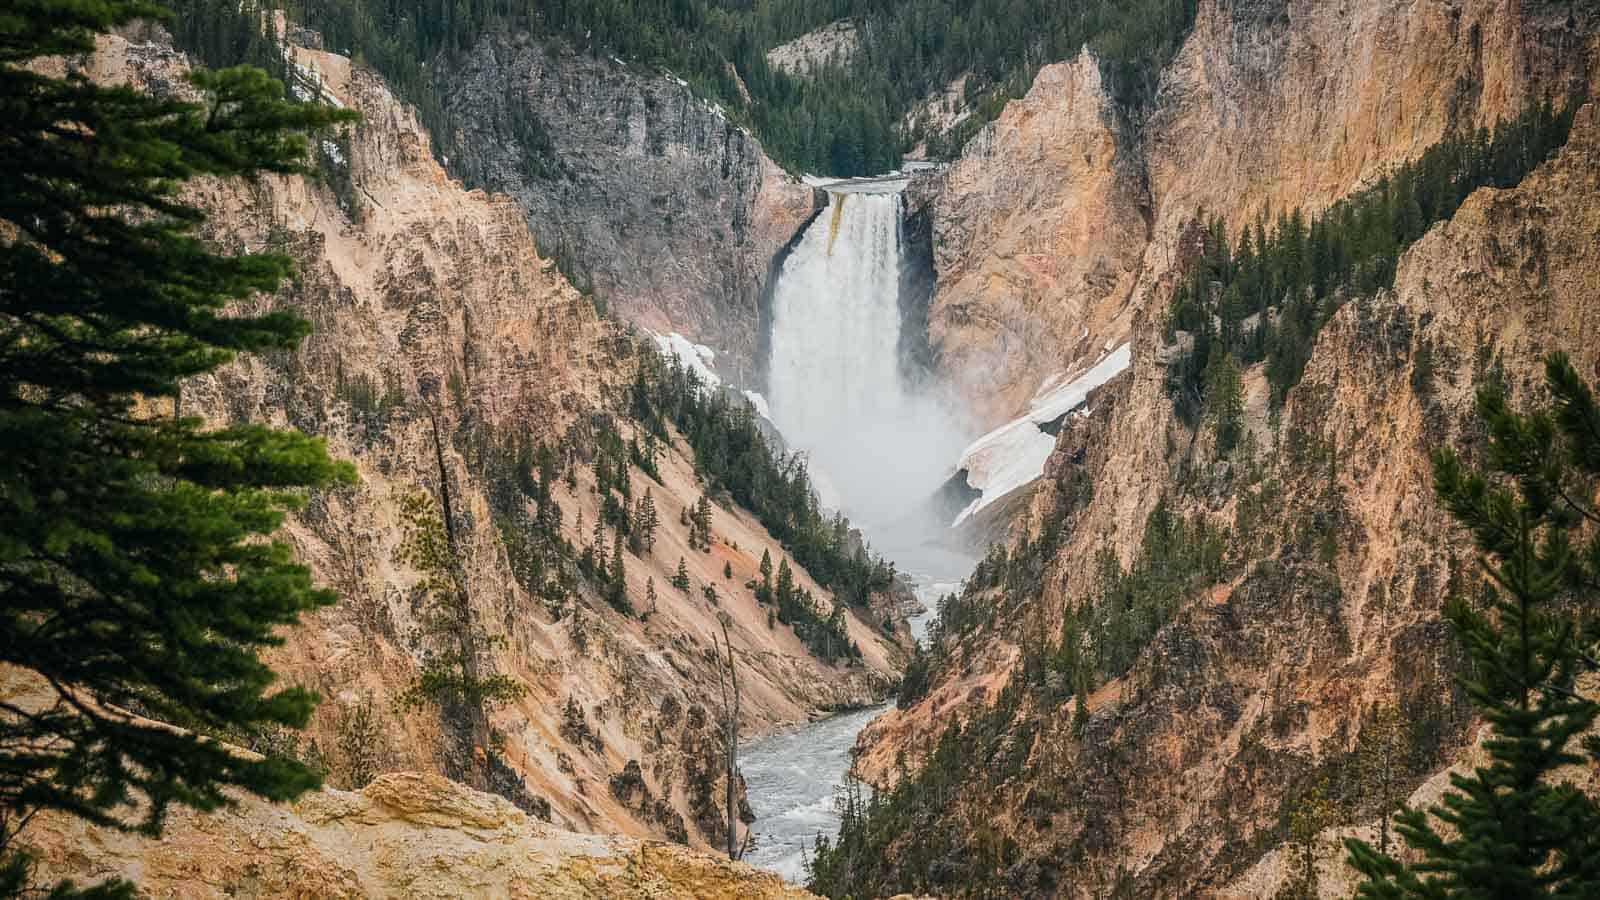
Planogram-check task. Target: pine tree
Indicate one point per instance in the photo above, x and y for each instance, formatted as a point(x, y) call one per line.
point(602, 565)
point(1380, 763)
point(646, 522)
point(1224, 400)
point(1308, 816)
point(784, 593)
point(700, 522)
point(360, 743)
point(1080, 702)
point(1512, 831)
point(617, 579)
point(649, 598)
point(727, 571)
point(453, 674)
point(764, 590)
point(652, 452)
point(681, 579)
point(135, 543)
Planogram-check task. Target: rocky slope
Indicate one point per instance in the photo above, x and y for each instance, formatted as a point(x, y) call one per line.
point(441, 338)
point(1063, 217)
point(404, 835)
point(672, 212)
point(1316, 594)
point(832, 44)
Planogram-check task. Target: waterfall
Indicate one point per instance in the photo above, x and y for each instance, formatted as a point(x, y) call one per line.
point(877, 445)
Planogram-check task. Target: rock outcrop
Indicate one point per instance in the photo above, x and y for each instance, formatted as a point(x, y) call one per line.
point(403, 836)
point(834, 43)
point(1038, 232)
point(637, 186)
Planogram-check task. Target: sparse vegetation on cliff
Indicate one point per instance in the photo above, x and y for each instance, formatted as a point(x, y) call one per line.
point(1265, 298)
point(733, 457)
point(1511, 828)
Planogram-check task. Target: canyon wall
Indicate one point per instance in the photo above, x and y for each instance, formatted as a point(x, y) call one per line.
point(1180, 775)
point(442, 338)
point(1062, 219)
point(637, 185)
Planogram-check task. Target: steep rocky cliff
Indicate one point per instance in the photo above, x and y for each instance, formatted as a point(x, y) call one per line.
point(641, 189)
point(1255, 607)
point(442, 342)
point(1062, 219)
point(1037, 234)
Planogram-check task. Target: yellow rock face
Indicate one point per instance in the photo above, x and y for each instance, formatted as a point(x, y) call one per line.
point(403, 836)
point(1062, 221)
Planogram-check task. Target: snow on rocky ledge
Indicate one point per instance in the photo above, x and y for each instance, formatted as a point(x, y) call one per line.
point(698, 358)
point(1014, 454)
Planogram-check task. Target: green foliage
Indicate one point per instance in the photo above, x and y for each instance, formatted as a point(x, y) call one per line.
point(926, 859)
point(912, 49)
point(733, 457)
point(1224, 400)
point(915, 682)
point(1099, 640)
point(1102, 637)
point(453, 643)
point(361, 743)
point(844, 118)
point(1510, 828)
point(1308, 816)
point(646, 520)
point(137, 566)
point(1382, 749)
point(700, 525)
point(1265, 298)
point(827, 637)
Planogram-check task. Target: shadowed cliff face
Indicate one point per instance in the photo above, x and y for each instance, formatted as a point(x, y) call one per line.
point(630, 181)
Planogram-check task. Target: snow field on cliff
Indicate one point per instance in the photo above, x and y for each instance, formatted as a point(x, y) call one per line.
point(1014, 454)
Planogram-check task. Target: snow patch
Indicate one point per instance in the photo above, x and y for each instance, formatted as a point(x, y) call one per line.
point(1014, 454)
point(760, 404)
point(698, 358)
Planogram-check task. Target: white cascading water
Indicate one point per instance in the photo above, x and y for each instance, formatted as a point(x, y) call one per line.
point(877, 447)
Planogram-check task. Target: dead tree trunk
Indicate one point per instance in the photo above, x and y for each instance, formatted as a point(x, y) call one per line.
point(729, 684)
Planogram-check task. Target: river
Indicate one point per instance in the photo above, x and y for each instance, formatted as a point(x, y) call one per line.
point(792, 776)
point(879, 441)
